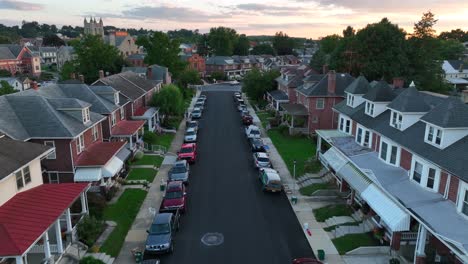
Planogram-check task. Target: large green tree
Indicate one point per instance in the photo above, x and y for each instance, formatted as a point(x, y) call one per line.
point(162, 51)
point(6, 88)
point(5, 73)
point(283, 44)
point(169, 100)
point(263, 49)
point(256, 83)
point(203, 45)
point(242, 46)
point(53, 40)
point(455, 34)
point(222, 40)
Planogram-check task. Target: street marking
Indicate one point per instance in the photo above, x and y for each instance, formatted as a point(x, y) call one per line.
point(212, 239)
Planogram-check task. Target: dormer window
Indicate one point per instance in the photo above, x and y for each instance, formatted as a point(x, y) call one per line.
point(86, 117)
point(116, 98)
point(433, 135)
point(350, 100)
point(396, 120)
point(370, 108)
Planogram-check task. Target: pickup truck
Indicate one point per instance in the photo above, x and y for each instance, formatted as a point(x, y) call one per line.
point(252, 132)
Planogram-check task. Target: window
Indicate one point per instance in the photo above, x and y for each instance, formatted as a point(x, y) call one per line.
point(417, 172)
point(389, 153)
point(320, 103)
point(433, 135)
point(53, 177)
point(348, 126)
point(464, 202)
point(315, 119)
point(80, 144)
point(116, 98)
point(85, 113)
point(95, 132)
point(52, 155)
point(370, 108)
point(19, 180)
point(26, 175)
point(363, 137)
point(431, 178)
point(425, 174)
point(113, 119)
point(345, 125)
point(122, 113)
point(341, 123)
point(350, 101)
point(397, 119)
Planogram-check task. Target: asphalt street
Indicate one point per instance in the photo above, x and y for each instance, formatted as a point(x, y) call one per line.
point(225, 199)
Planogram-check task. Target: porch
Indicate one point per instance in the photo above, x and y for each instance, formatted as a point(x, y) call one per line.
point(277, 97)
point(295, 116)
point(129, 131)
point(150, 115)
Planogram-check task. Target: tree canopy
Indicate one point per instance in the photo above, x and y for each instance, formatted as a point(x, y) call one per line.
point(455, 34)
point(52, 40)
point(242, 46)
point(256, 83)
point(169, 100)
point(283, 44)
point(222, 40)
point(6, 88)
point(263, 49)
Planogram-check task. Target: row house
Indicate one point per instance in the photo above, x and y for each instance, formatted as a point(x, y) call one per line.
point(232, 67)
point(456, 73)
point(19, 59)
point(37, 221)
point(48, 55)
point(138, 91)
point(154, 73)
point(403, 153)
point(68, 125)
point(137, 60)
point(64, 55)
point(195, 62)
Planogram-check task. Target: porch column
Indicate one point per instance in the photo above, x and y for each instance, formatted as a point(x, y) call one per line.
point(396, 238)
point(319, 146)
point(19, 260)
point(150, 125)
point(420, 255)
point(131, 142)
point(46, 245)
point(292, 121)
point(68, 218)
point(84, 208)
point(58, 235)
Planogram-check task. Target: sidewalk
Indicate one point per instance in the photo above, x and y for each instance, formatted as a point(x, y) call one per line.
point(303, 209)
point(136, 236)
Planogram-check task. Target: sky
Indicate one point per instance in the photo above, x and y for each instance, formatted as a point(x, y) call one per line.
point(298, 18)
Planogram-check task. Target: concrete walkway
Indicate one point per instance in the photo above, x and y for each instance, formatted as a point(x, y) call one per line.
point(136, 236)
point(319, 238)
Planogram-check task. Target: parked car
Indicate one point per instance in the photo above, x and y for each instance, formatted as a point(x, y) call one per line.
point(188, 152)
point(240, 101)
point(175, 197)
point(306, 261)
point(180, 171)
point(270, 180)
point(256, 144)
point(192, 124)
point(196, 113)
point(202, 96)
point(237, 96)
point(245, 112)
point(190, 135)
point(252, 132)
point(201, 99)
point(247, 119)
point(261, 160)
point(241, 107)
point(199, 105)
point(161, 233)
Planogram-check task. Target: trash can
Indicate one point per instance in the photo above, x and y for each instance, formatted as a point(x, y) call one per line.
point(138, 257)
point(162, 187)
point(321, 254)
point(294, 199)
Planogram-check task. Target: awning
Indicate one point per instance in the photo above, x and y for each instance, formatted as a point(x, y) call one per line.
point(393, 216)
point(123, 154)
point(356, 179)
point(127, 127)
point(145, 113)
point(88, 174)
point(112, 167)
point(279, 95)
point(295, 109)
point(333, 159)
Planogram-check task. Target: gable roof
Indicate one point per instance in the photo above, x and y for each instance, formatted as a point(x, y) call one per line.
point(410, 100)
point(381, 92)
point(358, 86)
point(453, 66)
point(15, 154)
point(219, 60)
point(321, 88)
point(130, 84)
point(10, 51)
point(451, 113)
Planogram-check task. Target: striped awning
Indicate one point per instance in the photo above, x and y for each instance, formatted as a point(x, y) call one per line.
point(333, 159)
point(88, 174)
point(356, 179)
point(112, 167)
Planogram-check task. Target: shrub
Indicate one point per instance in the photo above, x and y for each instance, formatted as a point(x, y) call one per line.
point(96, 203)
point(394, 261)
point(89, 229)
point(149, 137)
point(90, 260)
point(139, 155)
point(274, 121)
point(111, 193)
point(284, 130)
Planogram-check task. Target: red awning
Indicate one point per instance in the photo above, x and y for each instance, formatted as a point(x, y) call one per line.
point(127, 128)
point(99, 153)
point(26, 216)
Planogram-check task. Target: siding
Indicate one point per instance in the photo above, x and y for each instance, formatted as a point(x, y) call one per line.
point(292, 95)
point(405, 159)
point(354, 129)
point(326, 116)
point(63, 161)
point(443, 182)
point(453, 189)
point(88, 140)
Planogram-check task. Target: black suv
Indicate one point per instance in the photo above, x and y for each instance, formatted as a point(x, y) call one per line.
point(161, 233)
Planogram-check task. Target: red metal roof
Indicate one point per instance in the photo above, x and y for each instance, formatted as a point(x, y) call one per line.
point(140, 111)
point(26, 216)
point(127, 128)
point(99, 153)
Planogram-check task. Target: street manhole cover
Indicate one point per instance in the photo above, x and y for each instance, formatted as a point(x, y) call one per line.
point(212, 239)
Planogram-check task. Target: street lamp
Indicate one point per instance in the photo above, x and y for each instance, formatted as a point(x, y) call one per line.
point(294, 197)
point(294, 170)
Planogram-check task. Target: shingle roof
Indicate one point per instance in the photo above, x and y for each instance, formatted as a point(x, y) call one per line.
point(128, 83)
point(99, 153)
point(9, 51)
point(358, 86)
point(14, 154)
point(218, 60)
point(138, 56)
point(381, 92)
point(451, 113)
point(313, 77)
point(279, 95)
point(410, 100)
point(321, 88)
point(158, 72)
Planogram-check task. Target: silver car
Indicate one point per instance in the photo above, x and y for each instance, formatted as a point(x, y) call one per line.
point(261, 160)
point(180, 171)
point(196, 113)
point(190, 135)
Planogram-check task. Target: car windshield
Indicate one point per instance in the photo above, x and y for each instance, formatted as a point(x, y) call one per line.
point(192, 125)
point(275, 184)
point(159, 229)
point(186, 150)
point(179, 169)
point(196, 112)
point(190, 133)
point(174, 195)
point(263, 159)
point(255, 132)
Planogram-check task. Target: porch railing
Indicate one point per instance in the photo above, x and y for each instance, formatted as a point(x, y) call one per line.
point(41, 249)
point(409, 236)
point(157, 149)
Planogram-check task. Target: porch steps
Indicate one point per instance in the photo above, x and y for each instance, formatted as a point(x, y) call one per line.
point(364, 227)
point(102, 257)
point(338, 220)
point(309, 179)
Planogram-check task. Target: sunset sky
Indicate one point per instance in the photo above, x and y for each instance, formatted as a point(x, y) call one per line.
point(300, 18)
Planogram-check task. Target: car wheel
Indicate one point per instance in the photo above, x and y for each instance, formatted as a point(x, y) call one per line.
point(171, 250)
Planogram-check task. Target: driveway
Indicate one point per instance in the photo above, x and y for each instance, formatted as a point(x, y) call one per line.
point(241, 224)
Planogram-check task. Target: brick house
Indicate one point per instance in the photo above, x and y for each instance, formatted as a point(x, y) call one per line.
point(137, 60)
point(195, 62)
point(138, 91)
point(72, 128)
point(232, 67)
point(403, 152)
point(24, 197)
point(19, 59)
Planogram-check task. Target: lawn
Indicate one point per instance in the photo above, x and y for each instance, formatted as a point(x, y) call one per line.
point(263, 116)
point(331, 228)
point(163, 140)
point(149, 160)
point(290, 148)
point(123, 212)
point(323, 213)
point(352, 241)
point(309, 190)
point(141, 174)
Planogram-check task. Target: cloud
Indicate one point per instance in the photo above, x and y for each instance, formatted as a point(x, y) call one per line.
point(181, 14)
point(20, 5)
point(262, 7)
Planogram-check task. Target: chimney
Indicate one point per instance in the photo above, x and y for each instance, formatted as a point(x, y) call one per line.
point(81, 78)
point(325, 69)
point(460, 68)
point(398, 82)
point(149, 73)
point(72, 75)
point(101, 74)
point(331, 82)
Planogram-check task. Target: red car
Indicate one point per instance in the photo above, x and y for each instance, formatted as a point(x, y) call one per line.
point(306, 261)
point(188, 152)
point(247, 120)
point(175, 197)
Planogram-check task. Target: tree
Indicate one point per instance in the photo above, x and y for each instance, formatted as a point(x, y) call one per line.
point(94, 55)
point(283, 44)
point(263, 49)
point(187, 77)
point(169, 100)
point(203, 48)
point(257, 83)
point(242, 46)
point(53, 40)
point(6, 88)
point(222, 40)
point(424, 28)
point(5, 40)
point(218, 76)
point(5, 73)
point(455, 34)
point(451, 49)
point(162, 51)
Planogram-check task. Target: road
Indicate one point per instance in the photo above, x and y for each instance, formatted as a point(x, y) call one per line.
point(224, 197)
